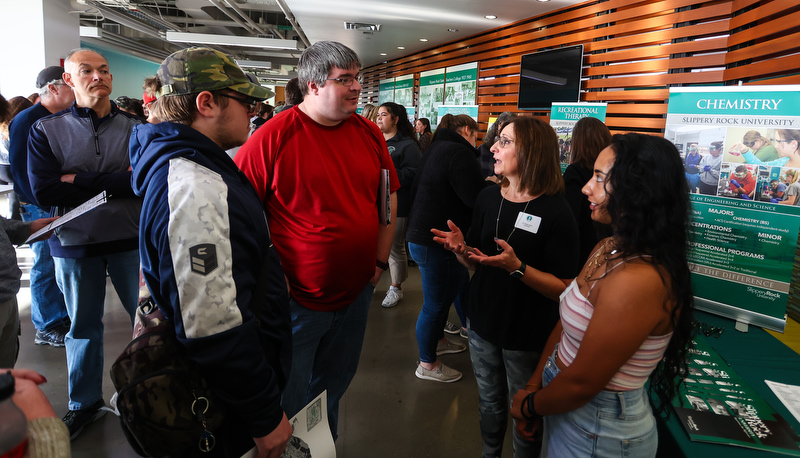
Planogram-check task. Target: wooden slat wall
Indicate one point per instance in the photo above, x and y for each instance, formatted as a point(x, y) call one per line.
point(633, 52)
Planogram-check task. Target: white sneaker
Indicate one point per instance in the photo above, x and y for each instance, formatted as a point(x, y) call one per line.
point(440, 374)
point(451, 346)
point(393, 296)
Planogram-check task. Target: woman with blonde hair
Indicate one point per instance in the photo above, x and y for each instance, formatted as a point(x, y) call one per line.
point(787, 143)
point(370, 112)
point(757, 145)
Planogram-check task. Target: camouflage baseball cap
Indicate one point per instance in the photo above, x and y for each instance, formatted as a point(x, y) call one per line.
point(193, 70)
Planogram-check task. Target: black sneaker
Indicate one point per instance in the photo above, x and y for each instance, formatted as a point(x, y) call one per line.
point(76, 420)
point(53, 337)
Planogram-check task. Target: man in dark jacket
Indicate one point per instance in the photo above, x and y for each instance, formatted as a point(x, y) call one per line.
point(74, 155)
point(48, 310)
point(204, 240)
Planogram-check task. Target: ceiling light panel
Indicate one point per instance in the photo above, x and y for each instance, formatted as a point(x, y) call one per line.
point(231, 40)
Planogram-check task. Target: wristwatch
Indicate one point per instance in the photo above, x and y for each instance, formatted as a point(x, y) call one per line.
point(519, 273)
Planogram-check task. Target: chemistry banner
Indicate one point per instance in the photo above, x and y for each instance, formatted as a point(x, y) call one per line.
point(386, 91)
point(563, 117)
point(431, 95)
point(742, 164)
point(404, 91)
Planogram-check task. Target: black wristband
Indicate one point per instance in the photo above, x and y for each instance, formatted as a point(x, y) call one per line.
point(381, 265)
point(533, 414)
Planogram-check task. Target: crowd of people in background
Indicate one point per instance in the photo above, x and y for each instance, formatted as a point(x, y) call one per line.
point(580, 288)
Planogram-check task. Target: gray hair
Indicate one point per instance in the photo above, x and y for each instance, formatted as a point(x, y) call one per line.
point(44, 91)
point(319, 59)
point(68, 58)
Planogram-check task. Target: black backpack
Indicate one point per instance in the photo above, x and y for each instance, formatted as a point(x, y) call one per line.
point(165, 406)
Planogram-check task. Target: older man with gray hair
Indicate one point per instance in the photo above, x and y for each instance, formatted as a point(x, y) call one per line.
point(316, 168)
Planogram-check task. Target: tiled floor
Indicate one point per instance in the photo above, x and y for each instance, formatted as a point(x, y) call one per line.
point(387, 411)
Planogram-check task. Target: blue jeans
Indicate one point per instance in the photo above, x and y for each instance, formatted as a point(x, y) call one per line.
point(326, 347)
point(48, 309)
point(83, 281)
point(443, 277)
point(500, 374)
point(612, 424)
point(460, 302)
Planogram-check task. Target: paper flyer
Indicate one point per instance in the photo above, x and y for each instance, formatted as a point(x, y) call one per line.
point(789, 396)
point(90, 204)
point(716, 405)
point(311, 428)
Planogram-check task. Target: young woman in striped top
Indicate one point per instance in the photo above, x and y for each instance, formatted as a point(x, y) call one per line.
point(626, 315)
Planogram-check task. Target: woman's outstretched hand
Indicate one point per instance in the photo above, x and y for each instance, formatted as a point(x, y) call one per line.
point(506, 260)
point(452, 240)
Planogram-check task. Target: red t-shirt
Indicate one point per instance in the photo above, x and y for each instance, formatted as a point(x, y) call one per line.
point(319, 186)
point(747, 183)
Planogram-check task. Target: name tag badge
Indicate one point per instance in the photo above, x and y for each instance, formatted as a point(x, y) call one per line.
point(528, 222)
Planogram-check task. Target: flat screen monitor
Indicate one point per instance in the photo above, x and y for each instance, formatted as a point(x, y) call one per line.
point(550, 76)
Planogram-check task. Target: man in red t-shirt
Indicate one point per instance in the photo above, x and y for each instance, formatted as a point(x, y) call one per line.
point(316, 167)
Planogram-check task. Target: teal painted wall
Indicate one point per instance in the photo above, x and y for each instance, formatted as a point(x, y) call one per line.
point(129, 72)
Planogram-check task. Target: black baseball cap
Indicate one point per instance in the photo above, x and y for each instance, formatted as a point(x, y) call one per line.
point(49, 74)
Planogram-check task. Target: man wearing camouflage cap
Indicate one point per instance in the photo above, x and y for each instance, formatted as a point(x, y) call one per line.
point(204, 240)
point(74, 155)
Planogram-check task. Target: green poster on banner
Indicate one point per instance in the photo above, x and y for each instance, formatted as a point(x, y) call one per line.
point(431, 95)
point(461, 82)
point(471, 110)
point(745, 185)
point(404, 90)
point(563, 117)
point(386, 90)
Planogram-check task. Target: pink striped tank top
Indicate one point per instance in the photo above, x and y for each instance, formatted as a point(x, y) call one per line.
point(576, 312)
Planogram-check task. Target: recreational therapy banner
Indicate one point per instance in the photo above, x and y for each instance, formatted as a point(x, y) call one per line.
point(404, 91)
point(564, 116)
point(386, 91)
point(431, 95)
point(746, 217)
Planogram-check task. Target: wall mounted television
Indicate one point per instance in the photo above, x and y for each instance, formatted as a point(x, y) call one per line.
point(550, 76)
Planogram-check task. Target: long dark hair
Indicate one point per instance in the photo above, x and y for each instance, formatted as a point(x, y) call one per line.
point(648, 202)
point(426, 124)
point(589, 137)
point(404, 127)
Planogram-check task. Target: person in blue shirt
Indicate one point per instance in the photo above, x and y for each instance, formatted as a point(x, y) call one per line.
point(48, 310)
